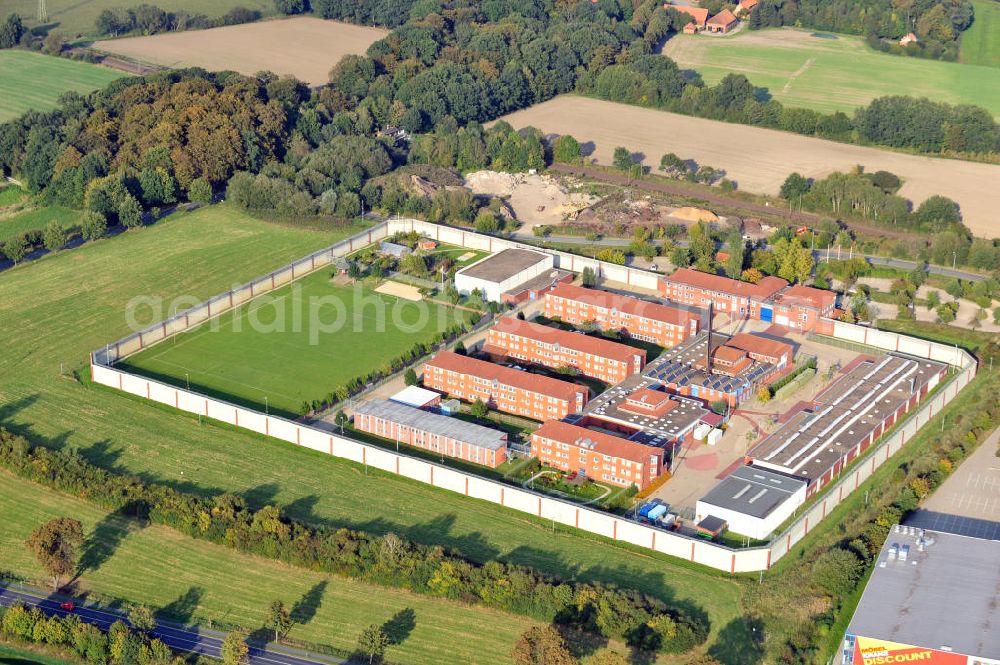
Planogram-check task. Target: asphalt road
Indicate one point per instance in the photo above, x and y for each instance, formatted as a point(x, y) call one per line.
point(187, 639)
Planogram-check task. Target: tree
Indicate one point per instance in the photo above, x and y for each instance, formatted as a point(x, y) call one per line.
point(55, 236)
point(542, 646)
point(279, 619)
point(341, 419)
point(588, 277)
point(751, 275)
point(622, 159)
point(764, 395)
point(794, 187)
point(11, 31)
point(373, 642)
point(129, 212)
point(566, 149)
point(141, 617)
point(93, 226)
point(16, 248)
point(234, 649)
point(674, 166)
point(55, 544)
point(837, 572)
point(410, 377)
point(479, 409)
point(290, 6)
point(200, 191)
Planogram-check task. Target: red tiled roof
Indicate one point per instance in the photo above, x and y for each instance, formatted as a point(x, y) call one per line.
point(760, 345)
point(634, 306)
point(723, 18)
point(748, 4)
point(728, 354)
point(808, 296)
point(605, 444)
point(568, 339)
point(648, 401)
point(544, 385)
point(766, 288)
point(699, 14)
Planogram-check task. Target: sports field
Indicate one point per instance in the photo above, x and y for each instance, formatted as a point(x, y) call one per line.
point(75, 18)
point(58, 310)
point(305, 47)
point(760, 159)
point(296, 344)
point(829, 72)
point(980, 44)
point(158, 566)
point(33, 81)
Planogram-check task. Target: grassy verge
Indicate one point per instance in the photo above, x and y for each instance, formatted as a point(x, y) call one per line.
point(17, 654)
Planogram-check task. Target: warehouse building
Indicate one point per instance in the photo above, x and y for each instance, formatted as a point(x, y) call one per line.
point(432, 432)
point(847, 418)
point(417, 397)
point(753, 501)
point(640, 319)
point(771, 300)
point(503, 388)
point(503, 272)
point(931, 598)
point(552, 347)
point(596, 455)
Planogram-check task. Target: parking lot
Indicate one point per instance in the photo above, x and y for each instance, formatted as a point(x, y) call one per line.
point(968, 503)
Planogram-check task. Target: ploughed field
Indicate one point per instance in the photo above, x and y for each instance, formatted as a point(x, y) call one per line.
point(833, 72)
point(760, 159)
point(304, 47)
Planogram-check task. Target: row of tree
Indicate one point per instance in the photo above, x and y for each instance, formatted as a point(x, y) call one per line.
point(641, 620)
point(148, 19)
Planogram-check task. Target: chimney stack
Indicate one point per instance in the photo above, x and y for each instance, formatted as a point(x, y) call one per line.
point(708, 347)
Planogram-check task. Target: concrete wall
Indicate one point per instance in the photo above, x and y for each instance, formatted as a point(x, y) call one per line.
point(548, 508)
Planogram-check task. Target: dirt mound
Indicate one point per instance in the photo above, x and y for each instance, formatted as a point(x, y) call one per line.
point(691, 214)
point(534, 199)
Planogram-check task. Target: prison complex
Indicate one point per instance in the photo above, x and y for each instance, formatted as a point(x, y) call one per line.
point(432, 432)
point(641, 319)
point(503, 388)
point(596, 455)
point(543, 345)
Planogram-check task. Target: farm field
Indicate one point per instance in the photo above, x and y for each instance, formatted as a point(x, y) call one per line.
point(37, 218)
point(305, 47)
point(265, 350)
point(162, 568)
point(74, 18)
point(833, 72)
point(980, 44)
point(760, 159)
point(58, 310)
point(33, 81)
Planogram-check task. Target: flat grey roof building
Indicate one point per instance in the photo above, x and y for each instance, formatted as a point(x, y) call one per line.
point(459, 430)
point(503, 265)
point(753, 491)
point(931, 590)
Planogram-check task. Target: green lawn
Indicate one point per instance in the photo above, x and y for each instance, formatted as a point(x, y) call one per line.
point(74, 18)
point(833, 72)
point(159, 566)
point(37, 218)
point(34, 82)
point(12, 655)
point(980, 44)
point(270, 348)
point(58, 310)
point(11, 195)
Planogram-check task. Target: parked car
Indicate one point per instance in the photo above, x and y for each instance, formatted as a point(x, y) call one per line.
point(67, 605)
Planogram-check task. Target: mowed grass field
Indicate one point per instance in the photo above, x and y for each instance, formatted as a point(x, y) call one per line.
point(291, 345)
point(829, 72)
point(37, 218)
point(75, 18)
point(55, 311)
point(980, 44)
point(34, 82)
point(305, 47)
point(197, 581)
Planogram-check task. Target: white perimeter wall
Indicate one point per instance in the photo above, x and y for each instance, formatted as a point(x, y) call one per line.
point(544, 507)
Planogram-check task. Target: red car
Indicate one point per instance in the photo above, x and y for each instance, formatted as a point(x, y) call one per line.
point(67, 605)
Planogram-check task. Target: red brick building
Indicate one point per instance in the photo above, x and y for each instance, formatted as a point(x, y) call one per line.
point(647, 321)
point(599, 456)
point(762, 349)
point(722, 22)
point(771, 300)
point(534, 343)
point(503, 388)
point(432, 432)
